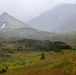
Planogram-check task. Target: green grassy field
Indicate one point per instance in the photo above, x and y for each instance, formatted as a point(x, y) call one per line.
point(29, 63)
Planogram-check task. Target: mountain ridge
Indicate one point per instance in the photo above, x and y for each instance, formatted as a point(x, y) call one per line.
point(58, 19)
point(11, 22)
point(25, 32)
point(17, 29)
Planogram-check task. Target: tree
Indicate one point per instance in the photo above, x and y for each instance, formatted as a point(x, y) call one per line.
point(57, 50)
point(42, 56)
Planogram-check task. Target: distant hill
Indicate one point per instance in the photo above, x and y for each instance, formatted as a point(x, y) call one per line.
point(8, 22)
point(62, 18)
point(11, 29)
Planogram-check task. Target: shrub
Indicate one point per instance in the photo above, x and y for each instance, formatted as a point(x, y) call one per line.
point(42, 56)
point(2, 69)
point(22, 63)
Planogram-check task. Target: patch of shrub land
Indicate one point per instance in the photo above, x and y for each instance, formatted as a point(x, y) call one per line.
point(36, 57)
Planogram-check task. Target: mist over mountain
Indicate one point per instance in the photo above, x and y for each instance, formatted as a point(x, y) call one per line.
point(60, 19)
point(12, 28)
point(7, 22)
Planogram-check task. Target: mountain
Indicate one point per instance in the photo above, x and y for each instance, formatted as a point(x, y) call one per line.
point(7, 22)
point(11, 29)
point(61, 18)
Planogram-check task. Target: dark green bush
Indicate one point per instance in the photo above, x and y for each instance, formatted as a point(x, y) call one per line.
point(42, 56)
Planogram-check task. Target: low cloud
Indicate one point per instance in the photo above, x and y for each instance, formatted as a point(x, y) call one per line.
point(25, 10)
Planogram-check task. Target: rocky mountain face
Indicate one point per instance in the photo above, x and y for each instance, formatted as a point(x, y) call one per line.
point(8, 22)
point(62, 18)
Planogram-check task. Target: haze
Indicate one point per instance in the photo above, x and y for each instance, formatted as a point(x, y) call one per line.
point(25, 10)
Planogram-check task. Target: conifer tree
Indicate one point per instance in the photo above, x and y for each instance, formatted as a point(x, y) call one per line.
point(42, 56)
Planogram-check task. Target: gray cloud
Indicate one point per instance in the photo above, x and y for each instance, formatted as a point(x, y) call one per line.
point(25, 10)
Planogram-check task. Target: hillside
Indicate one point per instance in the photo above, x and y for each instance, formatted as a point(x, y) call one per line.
point(28, 51)
point(13, 28)
point(59, 19)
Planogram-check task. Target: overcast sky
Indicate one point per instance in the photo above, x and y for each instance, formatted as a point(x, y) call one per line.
point(25, 10)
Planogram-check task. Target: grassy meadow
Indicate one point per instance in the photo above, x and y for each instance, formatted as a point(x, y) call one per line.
point(33, 57)
point(29, 63)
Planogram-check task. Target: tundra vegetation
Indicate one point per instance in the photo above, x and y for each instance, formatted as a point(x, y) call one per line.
point(36, 57)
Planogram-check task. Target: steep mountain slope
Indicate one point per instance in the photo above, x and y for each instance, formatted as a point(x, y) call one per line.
point(70, 25)
point(10, 23)
point(11, 28)
point(59, 19)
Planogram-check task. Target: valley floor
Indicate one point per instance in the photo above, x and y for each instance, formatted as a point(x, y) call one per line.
point(29, 63)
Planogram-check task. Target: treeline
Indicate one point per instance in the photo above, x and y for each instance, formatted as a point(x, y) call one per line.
point(44, 45)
